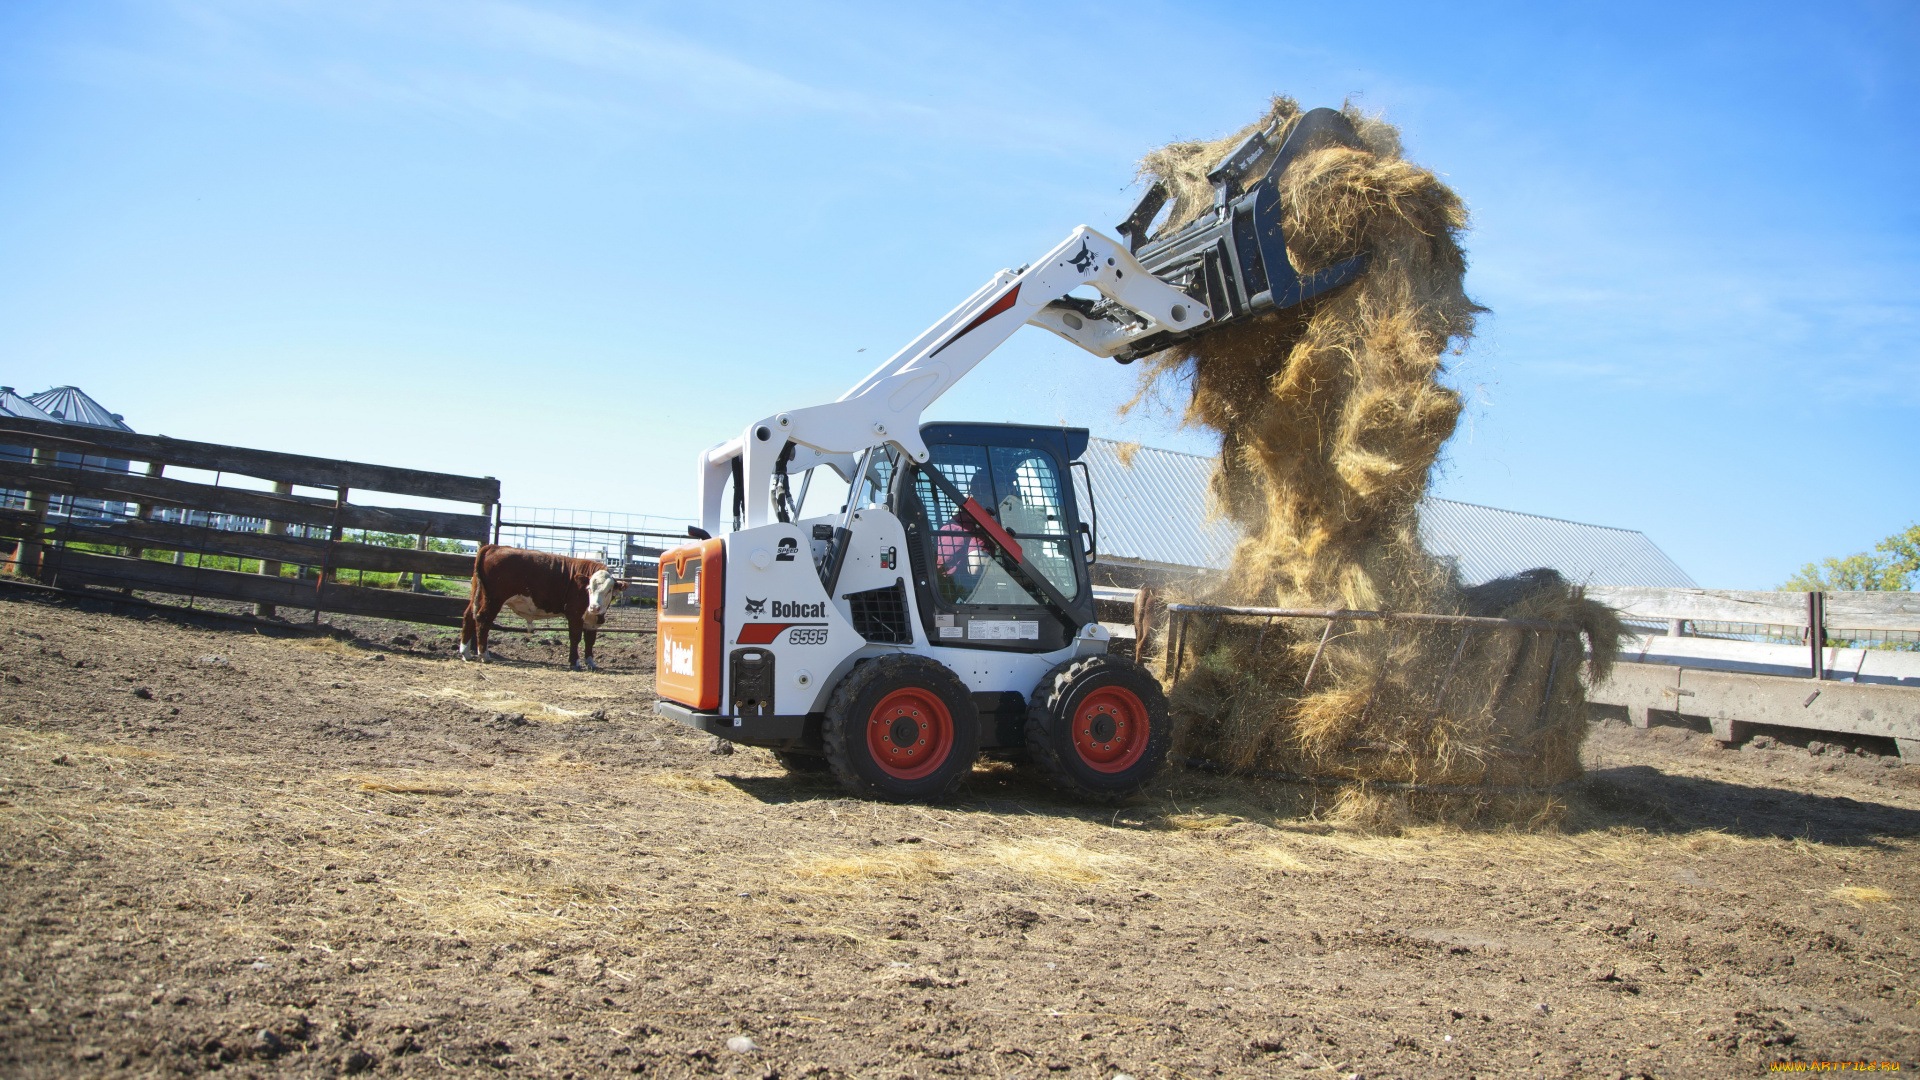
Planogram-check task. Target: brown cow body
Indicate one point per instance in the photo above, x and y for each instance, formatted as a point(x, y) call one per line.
point(535, 585)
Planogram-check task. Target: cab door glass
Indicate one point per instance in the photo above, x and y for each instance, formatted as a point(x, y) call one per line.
point(1020, 488)
point(961, 561)
point(1030, 507)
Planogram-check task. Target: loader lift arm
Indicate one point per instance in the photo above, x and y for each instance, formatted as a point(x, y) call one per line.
point(1229, 264)
point(886, 406)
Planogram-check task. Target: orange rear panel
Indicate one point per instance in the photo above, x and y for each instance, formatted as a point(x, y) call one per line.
point(692, 600)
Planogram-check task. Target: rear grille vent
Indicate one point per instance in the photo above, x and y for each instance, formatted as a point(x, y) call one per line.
point(880, 615)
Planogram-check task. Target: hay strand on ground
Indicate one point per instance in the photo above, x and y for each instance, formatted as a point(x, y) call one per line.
point(408, 789)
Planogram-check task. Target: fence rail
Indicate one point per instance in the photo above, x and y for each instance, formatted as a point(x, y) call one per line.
point(269, 465)
point(50, 479)
point(1843, 612)
point(630, 544)
point(205, 541)
point(77, 567)
point(110, 546)
point(1339, 614)
point(1813, 618)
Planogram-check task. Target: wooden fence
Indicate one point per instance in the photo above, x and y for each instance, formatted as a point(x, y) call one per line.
point(1885, 616)
point(108, 544)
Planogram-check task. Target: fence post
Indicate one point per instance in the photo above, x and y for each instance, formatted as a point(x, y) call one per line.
point(1306, 683)
point(141, 512)
point(26, 557)
point(326, 558)
point(270, 568)
point(1817, 634)
point(1176, 641)
point(420, 544)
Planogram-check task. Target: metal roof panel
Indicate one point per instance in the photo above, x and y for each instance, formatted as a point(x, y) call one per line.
point(1157, 506)
point(12, 404)
point(71, 404)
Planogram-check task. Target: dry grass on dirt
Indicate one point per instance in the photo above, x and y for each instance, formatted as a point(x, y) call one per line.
point(225, 849)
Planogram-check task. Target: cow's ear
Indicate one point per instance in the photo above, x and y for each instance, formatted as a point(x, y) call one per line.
point(619, 586)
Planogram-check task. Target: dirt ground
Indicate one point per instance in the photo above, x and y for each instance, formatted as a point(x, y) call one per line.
point(246, 849)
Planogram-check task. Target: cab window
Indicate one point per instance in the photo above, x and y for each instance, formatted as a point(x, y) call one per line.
point(1020, 488)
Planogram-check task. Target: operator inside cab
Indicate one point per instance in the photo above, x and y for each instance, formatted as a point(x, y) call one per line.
point(967, 569)
point(963, 556)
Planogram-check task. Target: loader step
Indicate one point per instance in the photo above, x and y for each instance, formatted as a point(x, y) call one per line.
point(754, 730)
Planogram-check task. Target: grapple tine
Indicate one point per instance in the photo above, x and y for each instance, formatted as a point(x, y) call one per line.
point(1233, 259)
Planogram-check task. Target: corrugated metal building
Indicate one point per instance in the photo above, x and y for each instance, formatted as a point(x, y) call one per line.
point(64, 405)
point(12, 404)
point(1485, 543)
point(1153, 509)
point(71, 405)
point(1155, 519)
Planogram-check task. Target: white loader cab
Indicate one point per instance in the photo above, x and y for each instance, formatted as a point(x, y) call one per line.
point(899, 637)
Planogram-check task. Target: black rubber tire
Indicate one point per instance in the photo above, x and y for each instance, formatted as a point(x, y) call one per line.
point(795, 762)
point(1050, 738)
point(853, 703)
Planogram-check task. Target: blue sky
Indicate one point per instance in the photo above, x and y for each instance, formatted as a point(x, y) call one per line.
point(569, 245)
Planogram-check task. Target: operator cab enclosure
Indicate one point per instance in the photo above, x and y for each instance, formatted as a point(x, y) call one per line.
point(966, 597)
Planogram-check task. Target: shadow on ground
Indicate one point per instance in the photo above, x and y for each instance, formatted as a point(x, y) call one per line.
point(994, 787)
point(1666, 802)
point(1633, 796)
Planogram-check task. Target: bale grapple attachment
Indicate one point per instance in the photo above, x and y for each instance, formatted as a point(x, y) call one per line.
point(1233, 258)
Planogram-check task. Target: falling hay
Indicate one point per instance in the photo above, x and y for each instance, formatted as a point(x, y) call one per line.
point(1331, 416)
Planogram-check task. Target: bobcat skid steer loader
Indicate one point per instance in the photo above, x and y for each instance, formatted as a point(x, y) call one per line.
point(945, 609)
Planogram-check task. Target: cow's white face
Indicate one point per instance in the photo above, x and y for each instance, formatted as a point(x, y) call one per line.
point(601, 590)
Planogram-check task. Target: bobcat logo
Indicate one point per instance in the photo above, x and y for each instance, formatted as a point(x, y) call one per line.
point(756, 607)
point(680, 659)
point(1085, 260)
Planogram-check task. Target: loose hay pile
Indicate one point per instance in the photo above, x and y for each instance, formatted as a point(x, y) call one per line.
point(1331, 416)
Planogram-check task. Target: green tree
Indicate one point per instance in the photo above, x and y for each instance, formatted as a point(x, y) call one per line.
point(1891, 567)
point(1902, 551)
point(404, 540)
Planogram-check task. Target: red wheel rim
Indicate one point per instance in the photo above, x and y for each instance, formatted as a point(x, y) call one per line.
point(910, 733)
point(1111, 729)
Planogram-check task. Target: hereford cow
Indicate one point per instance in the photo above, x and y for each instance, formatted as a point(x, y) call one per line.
point(536, 585)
